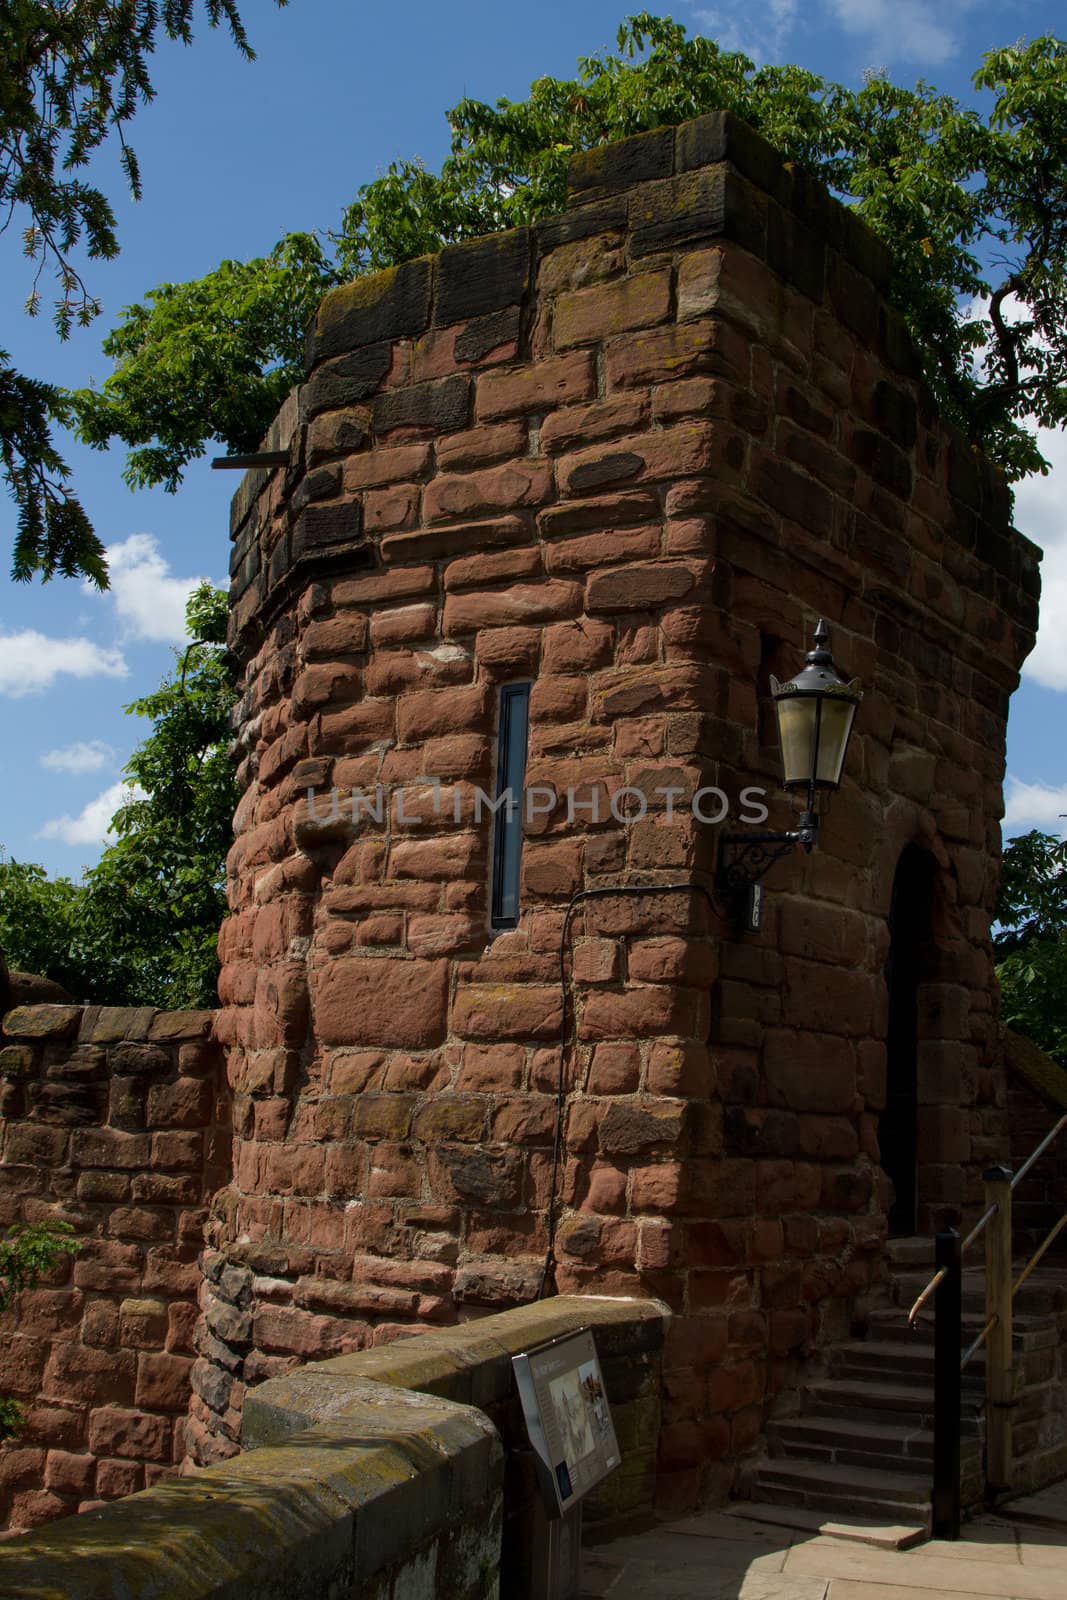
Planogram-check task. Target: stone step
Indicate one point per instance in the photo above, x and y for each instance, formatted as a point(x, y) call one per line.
point(891, 1327)
point(853, 1530)
point(862, 1400)
point(850, 1491)
point(914, 1252)
point(1037, 1297)
point(895, 1447)
point(898, 1362)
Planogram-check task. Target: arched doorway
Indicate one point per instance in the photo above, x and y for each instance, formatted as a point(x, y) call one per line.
point(908, 966)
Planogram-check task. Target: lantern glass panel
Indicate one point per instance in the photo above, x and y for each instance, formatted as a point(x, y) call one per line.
point(796, 734)
point(836, 726)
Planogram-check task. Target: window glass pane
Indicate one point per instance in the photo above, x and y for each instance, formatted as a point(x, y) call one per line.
point(510, 777)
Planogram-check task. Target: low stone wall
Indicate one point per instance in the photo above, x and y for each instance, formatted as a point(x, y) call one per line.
point(115, 1120)
point(373, 1476)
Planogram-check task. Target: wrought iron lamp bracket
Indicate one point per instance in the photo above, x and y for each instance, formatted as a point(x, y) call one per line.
point(745, 858)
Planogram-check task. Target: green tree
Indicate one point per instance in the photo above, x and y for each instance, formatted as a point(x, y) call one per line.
point(973, 209)
point(72, 76)
point(142, 927)
point(27, 1254)
point(1031, 944)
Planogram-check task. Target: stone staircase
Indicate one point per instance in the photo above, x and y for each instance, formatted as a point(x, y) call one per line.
point(858, 1452)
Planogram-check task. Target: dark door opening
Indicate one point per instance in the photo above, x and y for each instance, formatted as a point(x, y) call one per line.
point(898, 1129)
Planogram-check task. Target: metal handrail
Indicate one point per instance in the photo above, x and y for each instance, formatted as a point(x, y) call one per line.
point(1041, 1250)
point(983, 1222)
point(1042, 1147)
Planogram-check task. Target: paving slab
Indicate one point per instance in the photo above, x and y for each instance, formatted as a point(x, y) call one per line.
point(1017, 1553)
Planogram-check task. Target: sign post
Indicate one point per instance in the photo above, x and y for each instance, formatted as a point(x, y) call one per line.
point(572, 1436)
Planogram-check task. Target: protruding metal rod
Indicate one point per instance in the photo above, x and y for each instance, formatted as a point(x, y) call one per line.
point(999, 1379)
point(947, 1386)
point(265, 458)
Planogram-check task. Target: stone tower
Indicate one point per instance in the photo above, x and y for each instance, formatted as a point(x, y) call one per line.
point(557, 504)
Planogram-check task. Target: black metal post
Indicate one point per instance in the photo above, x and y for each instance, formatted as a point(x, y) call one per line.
point(948, 1307)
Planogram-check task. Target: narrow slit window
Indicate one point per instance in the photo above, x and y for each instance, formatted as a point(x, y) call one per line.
point(510, 776)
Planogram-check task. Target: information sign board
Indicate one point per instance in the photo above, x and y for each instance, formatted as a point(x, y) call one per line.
point(567, 1417)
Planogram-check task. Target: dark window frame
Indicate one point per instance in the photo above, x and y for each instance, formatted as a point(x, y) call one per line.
point(513, 734)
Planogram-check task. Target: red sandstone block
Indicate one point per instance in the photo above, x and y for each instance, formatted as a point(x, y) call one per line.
point(188, 1103)
point(391, 672)
point(372, 468)
point(392, 1003)
point(477, 447)
point(524, 482)
point(105, 1265)
point(508, 652)
point(592, 550)
point(577, 646)
point(645, 1012)
point(491, 1067)
point(66, 1472)
point(605, 1189)
point(552, 870)
point(528, 1120)
point(426, 713)
point(23, 1363)
point(142, 1323)
point(181, 1328)
point(379, 588)
point(392, 507)
point(292, 1331)
point(549, 601)
point(604, 419)
point(32, 1508)
point(163, 1382)
point(482, 571)
point(346, 1170)
point(404, 625)
point(596, 961)
point(673, 960)
point(457, 538)
point(585, 315)
point(49, 1311)
point(505, 1011)
point(668, 453)
point(393, 1171)
point(382, 1116)
point(456, 1116)
point(171, 1270)
point(350, 1072)
point(116, 1479)
point(556, 381)
point(681, 1069)
point(331, 683)
point(447, 934)
point(78, 1372)
point(33, 1145)
point(664, 355)
point(810, 1072)
point(615, 1069)
point(108, 1147)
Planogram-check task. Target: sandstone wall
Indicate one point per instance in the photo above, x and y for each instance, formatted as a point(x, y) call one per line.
point(115, 1121)
point(629, 455)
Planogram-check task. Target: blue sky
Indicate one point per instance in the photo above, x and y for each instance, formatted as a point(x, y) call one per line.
point(232, 156)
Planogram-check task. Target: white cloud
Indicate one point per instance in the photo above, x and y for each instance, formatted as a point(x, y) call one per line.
point(149, 602)
point(82, 756)
point(31, 662)
point(92, 825)
point(1034, 805)
point(905, 30)
point(761, 31)
point(1041, 513)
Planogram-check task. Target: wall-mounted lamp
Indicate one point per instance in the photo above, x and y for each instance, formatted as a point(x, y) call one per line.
point(815, 712)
